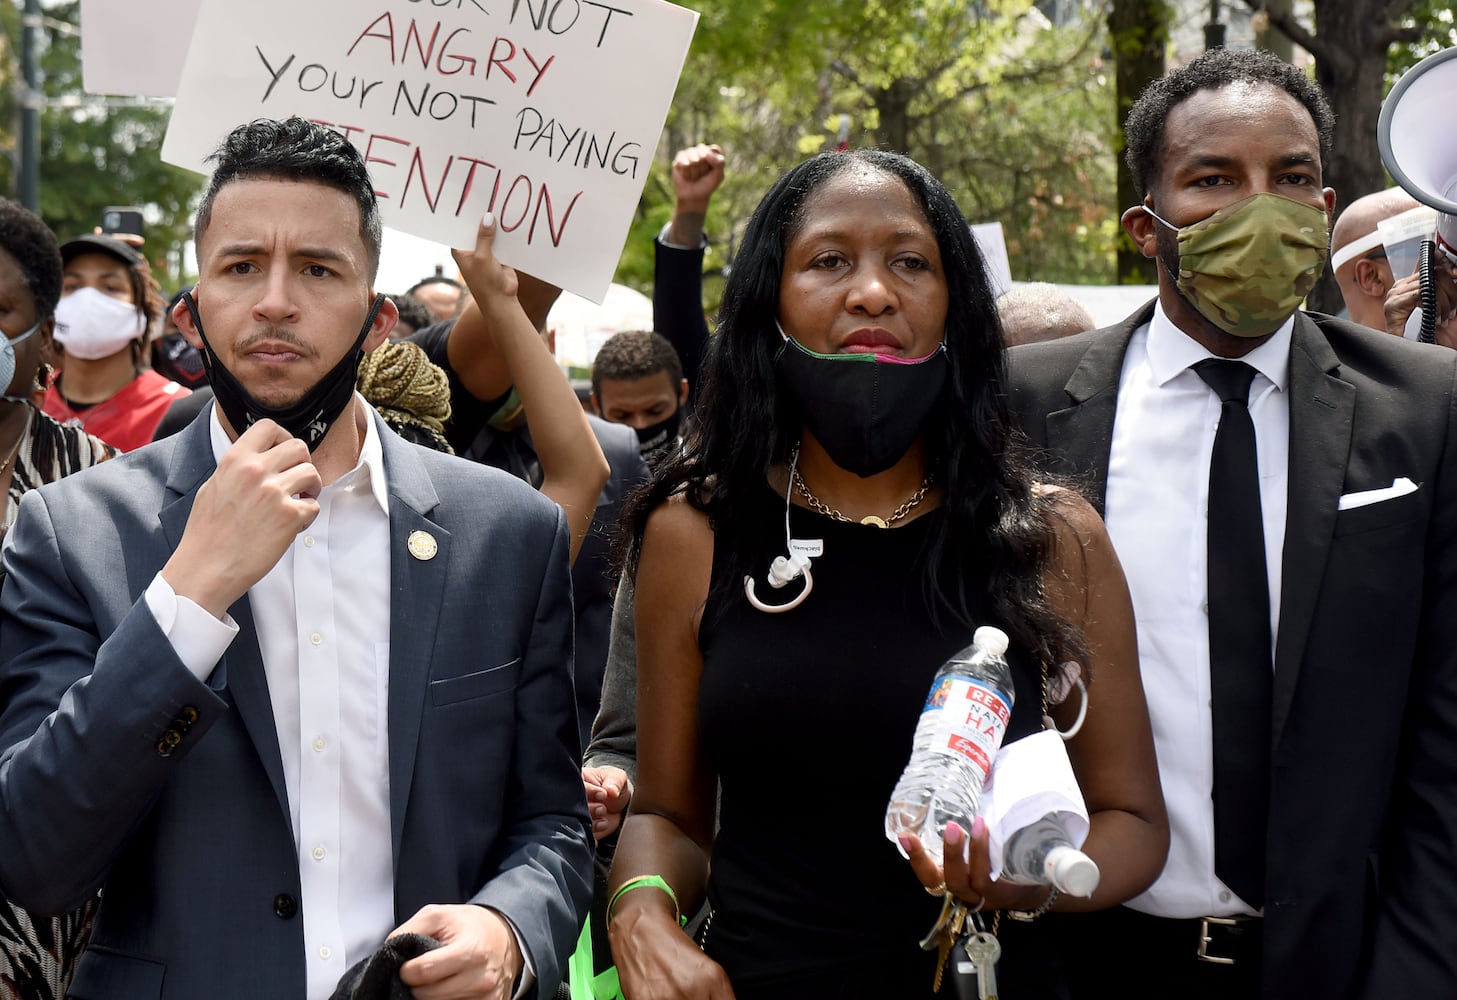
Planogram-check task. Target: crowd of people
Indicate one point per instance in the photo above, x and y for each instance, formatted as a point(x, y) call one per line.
point(343, 646)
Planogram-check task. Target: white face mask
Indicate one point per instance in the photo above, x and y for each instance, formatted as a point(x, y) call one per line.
point(7, 362)
point(92, 324)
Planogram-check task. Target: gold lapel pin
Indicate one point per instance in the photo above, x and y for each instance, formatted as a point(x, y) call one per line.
point(422, 545)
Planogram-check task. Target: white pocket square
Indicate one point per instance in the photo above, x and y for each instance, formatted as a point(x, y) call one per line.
point(1398, 488)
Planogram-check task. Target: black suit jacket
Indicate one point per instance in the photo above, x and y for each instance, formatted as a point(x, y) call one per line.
point(1360, 894)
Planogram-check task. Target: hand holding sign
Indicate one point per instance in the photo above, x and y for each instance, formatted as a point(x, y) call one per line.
point(520, 108)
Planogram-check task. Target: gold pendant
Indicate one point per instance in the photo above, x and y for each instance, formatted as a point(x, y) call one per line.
point(873, 521)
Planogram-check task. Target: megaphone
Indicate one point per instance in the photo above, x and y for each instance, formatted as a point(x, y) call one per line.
point(1417, 135)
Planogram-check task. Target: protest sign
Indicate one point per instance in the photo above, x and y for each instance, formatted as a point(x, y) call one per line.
point(544, 112)
point(992, 243)
point(134, 48)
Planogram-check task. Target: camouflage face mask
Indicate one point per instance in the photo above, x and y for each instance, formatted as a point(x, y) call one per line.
point(1249, 265)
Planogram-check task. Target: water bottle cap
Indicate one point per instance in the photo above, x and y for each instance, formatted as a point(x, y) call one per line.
point(990, 639)
point(1073, 871)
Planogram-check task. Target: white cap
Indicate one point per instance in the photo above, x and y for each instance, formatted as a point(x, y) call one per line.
point(990, 639)
point(1072, 871)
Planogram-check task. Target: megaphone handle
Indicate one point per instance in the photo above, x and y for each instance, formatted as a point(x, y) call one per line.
point(1428, 334)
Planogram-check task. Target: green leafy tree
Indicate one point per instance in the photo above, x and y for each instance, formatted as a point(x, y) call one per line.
point(1014, 115)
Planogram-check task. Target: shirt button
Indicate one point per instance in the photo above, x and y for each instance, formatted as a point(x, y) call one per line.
point(308, 541)
point(316, 638)
point(1224, 896)
point(318, 854)
point(1204, 607)
point(320, 743)
point(324, 951)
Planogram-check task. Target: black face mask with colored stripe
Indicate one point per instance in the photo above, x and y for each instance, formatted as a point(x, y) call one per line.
point(864, 409)
point(310, 418)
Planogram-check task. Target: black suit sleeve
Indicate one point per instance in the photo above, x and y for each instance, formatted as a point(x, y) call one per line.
point(678, 306)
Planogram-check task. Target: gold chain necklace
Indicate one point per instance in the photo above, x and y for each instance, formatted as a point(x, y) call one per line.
point(819, 506)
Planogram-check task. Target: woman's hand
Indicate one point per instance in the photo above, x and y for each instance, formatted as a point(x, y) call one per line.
point(967, 874)
point(657, 961)
point(609, 791)
point(488, 279)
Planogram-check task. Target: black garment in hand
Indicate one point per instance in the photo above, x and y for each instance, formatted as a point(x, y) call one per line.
point(377, 977)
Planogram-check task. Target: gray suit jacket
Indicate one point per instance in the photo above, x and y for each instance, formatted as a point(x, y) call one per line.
point(1360, 897)
point(194, 848)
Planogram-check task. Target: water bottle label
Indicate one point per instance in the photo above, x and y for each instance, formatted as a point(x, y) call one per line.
point(971, 719)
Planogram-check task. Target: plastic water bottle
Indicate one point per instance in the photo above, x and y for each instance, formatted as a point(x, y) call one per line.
point(960, 731)
point(1043, 854)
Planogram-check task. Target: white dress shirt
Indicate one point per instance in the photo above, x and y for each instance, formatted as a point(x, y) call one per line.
point(1156, 511)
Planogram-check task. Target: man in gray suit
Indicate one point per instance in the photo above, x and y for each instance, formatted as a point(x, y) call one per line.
point(284, 683)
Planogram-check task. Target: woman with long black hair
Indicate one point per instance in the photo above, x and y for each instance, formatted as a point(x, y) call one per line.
point(852, 403)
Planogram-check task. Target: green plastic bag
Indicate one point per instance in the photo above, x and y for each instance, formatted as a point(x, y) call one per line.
point(584, 985)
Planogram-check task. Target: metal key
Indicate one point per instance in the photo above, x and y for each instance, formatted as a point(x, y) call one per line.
point(984, 949)
point(943, 935)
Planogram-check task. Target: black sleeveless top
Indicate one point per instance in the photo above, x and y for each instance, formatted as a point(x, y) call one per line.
point(808, 718)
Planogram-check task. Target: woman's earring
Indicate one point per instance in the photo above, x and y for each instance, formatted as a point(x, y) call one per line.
point(43, 377)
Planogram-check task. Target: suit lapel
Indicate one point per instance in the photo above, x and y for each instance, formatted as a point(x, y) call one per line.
point(1084, 430)
point(1322, 408)
point(239, 675)
point(417, 591)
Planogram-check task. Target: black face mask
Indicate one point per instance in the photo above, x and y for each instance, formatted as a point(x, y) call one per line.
point(659, 440)
point(863, 408)
point(310, 418)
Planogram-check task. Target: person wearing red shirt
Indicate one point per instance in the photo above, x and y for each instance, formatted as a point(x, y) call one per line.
point(107, 306)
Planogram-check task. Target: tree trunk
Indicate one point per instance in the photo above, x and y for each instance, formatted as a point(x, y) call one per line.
point(1351, 68)
point(893, 103)
point(1350, 44)
point(1138, 32)
point(1270, 37)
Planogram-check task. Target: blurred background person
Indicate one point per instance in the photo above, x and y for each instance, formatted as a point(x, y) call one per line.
point(413, 316)
point(1405, 298)
point(172, 356)
point(678, 258)
point(107, 306)
point(411, 394)
point(1038, 311)
point(1358, 255)
point(37, 954)
point(638, 380)
point(440, 295)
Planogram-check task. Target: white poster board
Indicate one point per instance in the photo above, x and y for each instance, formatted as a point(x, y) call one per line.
point(134, 48)
point(544, 112)
point(992, 243)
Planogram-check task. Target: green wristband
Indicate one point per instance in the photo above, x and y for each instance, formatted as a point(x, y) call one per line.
point(657, 882)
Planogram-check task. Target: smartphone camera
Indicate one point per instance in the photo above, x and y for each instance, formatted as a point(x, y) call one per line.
point(122, 219)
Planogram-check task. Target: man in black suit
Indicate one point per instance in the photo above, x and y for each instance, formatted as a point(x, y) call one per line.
point(1335, 879)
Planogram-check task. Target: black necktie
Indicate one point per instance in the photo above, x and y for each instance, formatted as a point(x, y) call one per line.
point(1239, 637)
